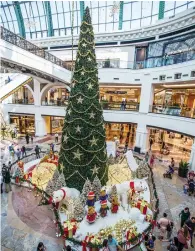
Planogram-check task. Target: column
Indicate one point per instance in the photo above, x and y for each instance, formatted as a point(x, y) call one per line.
point(192, 157)
point(147, 95)
point(37, 92)
point(142, 136)
point(40, 126)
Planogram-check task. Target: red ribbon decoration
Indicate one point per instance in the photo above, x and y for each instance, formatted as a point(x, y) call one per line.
point(63, 193)
point(84, 246)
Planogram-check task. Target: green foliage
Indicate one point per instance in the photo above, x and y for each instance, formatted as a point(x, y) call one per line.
point(183, 164)
point(83, 141)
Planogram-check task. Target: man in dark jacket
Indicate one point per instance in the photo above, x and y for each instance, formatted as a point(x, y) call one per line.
point(191, 227)
point(7, 180)
point(37, 151)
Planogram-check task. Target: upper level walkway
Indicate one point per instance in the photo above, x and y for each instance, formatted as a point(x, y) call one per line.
point(16, 52)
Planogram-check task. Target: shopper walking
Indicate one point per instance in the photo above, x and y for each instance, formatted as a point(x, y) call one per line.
point(37, 152)
point(56, 137)
point(27, 138)
point(152, 160)
point(183, 236)
point(185, 215)
point(18, 154)
point(163, 225)
point(1, 180)
point(191, 228)
point(41, 247)
point(105, 245)
point(7, 180)
point(31, 138)
point(52, 147)
point(23, 150)
point(151, 142)
point(46, 102)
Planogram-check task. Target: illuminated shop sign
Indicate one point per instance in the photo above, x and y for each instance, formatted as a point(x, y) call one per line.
point(116, 92)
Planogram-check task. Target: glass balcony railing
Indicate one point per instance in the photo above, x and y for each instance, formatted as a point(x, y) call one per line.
point(105, 105)
point(173, 111)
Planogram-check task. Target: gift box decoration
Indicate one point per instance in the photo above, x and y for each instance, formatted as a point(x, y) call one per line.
point(131, 234)
point(142, 205)
point(148, 218)
point(70, 228)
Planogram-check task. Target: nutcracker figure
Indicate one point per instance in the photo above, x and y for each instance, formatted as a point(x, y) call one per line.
point(91, 215)
point(90, 199)
point(104, 208)
point(115, 204)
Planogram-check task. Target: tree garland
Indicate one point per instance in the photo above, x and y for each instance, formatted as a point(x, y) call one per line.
point(83, 69)
point(80, 82)
point(88, 136)
point(89, 151)
point(92, 105)
point(85, 55)
point(80, 93)
point(95, 156)
point(69, 122)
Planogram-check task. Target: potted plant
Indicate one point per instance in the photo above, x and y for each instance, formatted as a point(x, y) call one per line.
point(183, 169)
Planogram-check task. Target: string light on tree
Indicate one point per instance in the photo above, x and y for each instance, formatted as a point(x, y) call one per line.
point(77, 155)
point(93, 141)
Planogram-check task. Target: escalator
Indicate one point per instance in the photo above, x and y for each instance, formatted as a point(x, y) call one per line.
point(12, 83)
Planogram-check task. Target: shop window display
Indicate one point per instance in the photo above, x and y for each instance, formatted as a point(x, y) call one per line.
point(24, 124)
point(177, 102)
point(55, 96)
point(169, 144)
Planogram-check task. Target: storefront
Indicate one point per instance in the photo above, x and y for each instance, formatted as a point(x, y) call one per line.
point(121, 132)
point(56, 96)
point(180, 102)
point(119, 94)
point(178, 145)
point(23, 123)
point(54, 124)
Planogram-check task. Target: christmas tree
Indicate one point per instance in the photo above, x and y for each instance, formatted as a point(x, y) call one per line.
point(86, 189)
point(83, 147)
point(96, 187)
point(79, 211)
point(56, 183)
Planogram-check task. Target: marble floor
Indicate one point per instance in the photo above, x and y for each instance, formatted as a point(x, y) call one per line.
point(24, 224)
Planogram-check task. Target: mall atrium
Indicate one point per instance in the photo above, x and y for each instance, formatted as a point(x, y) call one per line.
point(95, 95)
